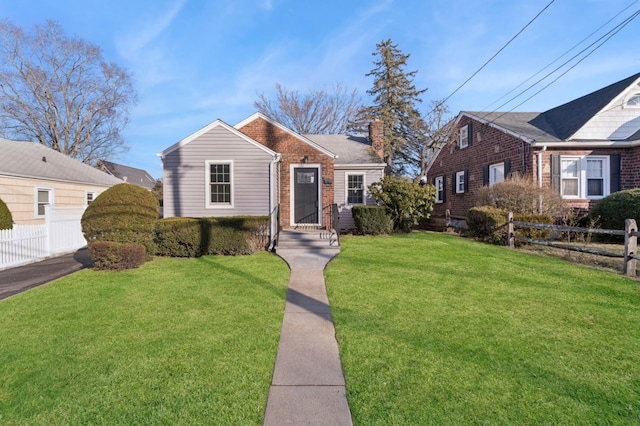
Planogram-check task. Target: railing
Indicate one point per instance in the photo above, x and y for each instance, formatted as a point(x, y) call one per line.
point(630, 234)
point(331, 220)
point(274, 231)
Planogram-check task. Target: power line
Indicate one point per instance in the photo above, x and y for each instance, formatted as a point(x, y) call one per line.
point(493, 57)
point(606, 38)
point(554, 61)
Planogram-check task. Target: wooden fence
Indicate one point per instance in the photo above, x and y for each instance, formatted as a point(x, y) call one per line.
point(630, 233)
point(61, 233)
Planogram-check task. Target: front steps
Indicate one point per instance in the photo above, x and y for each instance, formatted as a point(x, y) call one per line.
point(308, 240)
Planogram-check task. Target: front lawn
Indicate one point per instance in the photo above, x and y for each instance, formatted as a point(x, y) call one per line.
point(436, 329)
point(178, 341)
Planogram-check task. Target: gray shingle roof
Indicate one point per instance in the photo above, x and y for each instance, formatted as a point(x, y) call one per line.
point(34, 160)
point(349, 149)
point(128, 174)
point(559, 123)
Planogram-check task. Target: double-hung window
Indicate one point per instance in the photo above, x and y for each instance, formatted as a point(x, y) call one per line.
point(584, 177)
point(90, 196)
point(219, 184)
point(464, 136)
point(439, 184)
point(460, 182)
point(44, 197)
point(355, 188)
point(496, 173)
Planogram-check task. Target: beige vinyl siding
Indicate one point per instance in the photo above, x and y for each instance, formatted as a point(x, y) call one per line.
point(185, 178)
point(19, 195)
point(340, 190)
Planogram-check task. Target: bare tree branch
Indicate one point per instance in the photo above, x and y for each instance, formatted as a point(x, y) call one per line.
point(316, 112)
point(59, 91)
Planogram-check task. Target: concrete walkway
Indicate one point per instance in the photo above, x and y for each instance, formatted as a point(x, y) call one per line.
point(308, 385)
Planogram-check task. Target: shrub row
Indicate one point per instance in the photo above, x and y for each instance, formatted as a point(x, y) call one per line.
point(372, 220)
point(107, 255)
point(192, 237)
point(490, 224)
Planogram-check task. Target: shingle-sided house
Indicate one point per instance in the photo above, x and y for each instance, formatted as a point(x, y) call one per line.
point(261, 168)
point(585, 149)
point(128, 174)
point(33, 176)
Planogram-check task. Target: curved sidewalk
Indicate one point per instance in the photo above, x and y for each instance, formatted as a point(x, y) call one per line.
point(308, 384)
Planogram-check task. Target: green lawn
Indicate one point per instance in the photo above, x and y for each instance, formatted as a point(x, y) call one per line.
point(436, 329)
point(178, 341)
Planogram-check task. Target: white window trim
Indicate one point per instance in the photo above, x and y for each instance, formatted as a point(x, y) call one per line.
point(629, 97)
point(465, 130)
point(346, 188)
point(492, 167)
point(35, 199)
point(582, 176)
point(439, 184)
point(207, 181)
point(460, 181)
point(86, 195)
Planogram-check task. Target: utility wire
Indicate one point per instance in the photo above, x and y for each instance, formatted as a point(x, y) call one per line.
point(606, 38)
point(493, 57)
point(553, 62)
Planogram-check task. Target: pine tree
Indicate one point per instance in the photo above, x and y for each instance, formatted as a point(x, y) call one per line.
point(394, 102)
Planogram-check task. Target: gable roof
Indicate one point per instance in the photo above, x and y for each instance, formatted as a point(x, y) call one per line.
point(36, 161)
point(259, 115)
point(349, 149)
point(128, 174)
point(210, 126)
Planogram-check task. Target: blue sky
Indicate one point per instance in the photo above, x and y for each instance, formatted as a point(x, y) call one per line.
point(194, 61)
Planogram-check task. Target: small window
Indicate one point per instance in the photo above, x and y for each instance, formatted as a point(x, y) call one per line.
point(633, 101)
point(460, 180)
point(464, 136)
point(496, 173)
point(43, 199)
point(219, 180)
point(90, 197)
point(570, 186)
point(355, 189)
point(595, 177)
point(439, 184)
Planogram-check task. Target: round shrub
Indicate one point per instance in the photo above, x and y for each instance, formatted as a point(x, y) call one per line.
point(123, 213)
point(611, 211)
point(6, 219)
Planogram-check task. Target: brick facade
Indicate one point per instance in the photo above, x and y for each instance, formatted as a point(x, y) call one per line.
point(490, 146)
point(294, 151)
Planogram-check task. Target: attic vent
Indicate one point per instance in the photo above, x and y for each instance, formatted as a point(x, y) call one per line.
point(633, 101)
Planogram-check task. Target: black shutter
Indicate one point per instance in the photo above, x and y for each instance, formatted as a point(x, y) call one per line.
point(454, 184)
point(614, 167)
point(555, 173)
point(485, 175)
point(444, 188)
point(470, 134)
point(466, 181)
point(507, 168)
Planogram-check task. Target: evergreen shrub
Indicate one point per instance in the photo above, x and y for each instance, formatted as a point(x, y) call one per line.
point(111, 256)
point(488, 224)
point(124, 213)
point(6, 219)
point(371, 220)
point(611, 211)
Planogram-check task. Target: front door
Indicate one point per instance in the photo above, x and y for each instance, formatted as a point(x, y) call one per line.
point(305, 195)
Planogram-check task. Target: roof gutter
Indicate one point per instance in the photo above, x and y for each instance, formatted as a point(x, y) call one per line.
point(587, 144)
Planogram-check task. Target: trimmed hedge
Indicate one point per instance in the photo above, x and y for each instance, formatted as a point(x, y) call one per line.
point(6, 219)
point(490, 224)
point(124, 213)
point(611, 211)
point(116, 256)
point(371, 220)
point(193, 237)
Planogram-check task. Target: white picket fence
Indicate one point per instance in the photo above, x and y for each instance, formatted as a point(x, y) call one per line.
point(61, 233)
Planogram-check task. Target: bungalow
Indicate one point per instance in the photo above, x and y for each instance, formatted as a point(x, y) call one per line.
point(260, 167)
point(585, 149)
point(33, 176)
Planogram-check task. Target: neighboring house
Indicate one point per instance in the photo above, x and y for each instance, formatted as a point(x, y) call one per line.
point(128, 174)
point(260, 168)
point(585, 149)
point(33, 176)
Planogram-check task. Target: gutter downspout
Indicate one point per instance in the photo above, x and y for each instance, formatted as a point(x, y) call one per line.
point(539, 161)
point(274, 192)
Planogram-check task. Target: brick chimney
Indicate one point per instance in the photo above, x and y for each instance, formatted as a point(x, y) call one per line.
point(376, 136)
